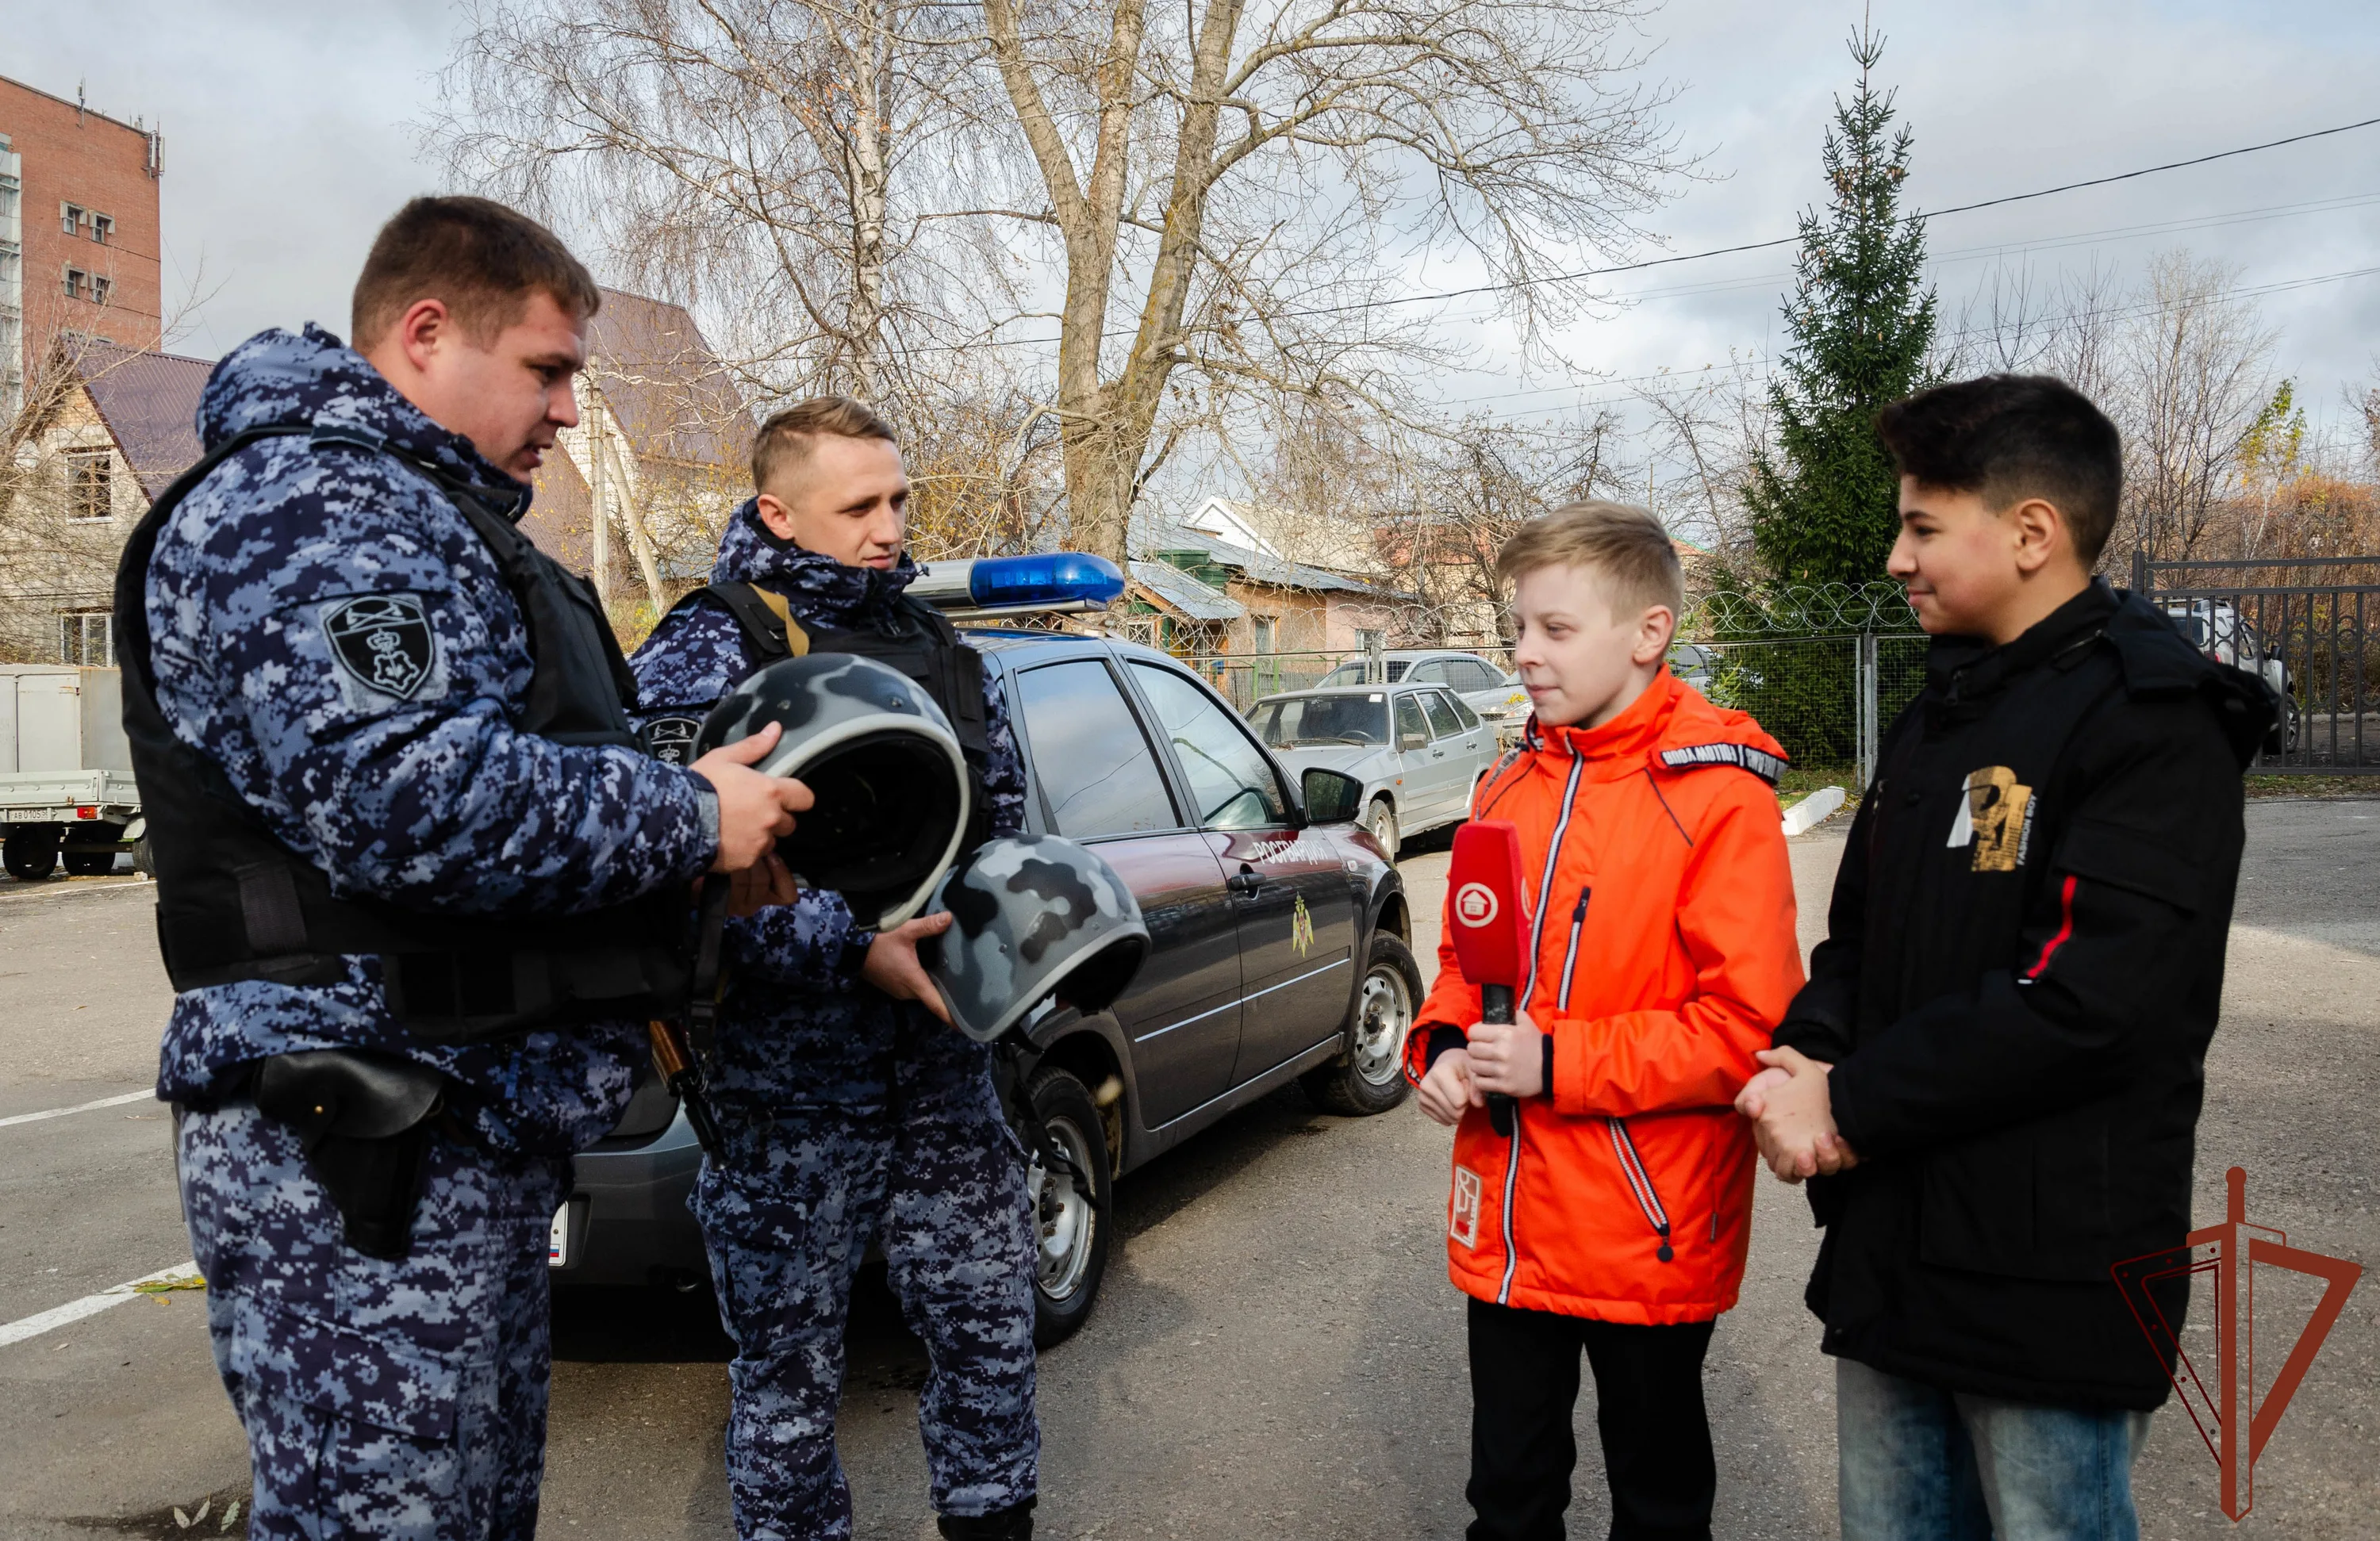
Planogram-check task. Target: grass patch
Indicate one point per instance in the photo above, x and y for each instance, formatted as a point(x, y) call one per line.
point(2312, 786)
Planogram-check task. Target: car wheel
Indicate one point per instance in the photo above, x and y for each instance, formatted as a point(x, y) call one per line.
point(144, 857)
point(90, 864)
point(1070, 1230)
point(1380, 823)
point(2282, 737)
point(1370, 1077)
point(30, 854)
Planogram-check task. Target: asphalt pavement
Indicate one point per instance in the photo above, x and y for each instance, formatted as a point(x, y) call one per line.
point(1277, 1351)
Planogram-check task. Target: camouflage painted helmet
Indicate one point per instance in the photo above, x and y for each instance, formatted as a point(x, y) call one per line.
point(881, 758)
point(1034, 915)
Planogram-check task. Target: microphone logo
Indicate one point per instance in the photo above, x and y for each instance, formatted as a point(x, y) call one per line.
point(1475, 904)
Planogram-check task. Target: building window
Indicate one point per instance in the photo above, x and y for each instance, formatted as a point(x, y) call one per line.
point(75, 280)
point(83, 639)
point(101, 289)
point(70, 219)
point(103, 228)
point(1367, 640)
point(90, 484)
point(1261, 633)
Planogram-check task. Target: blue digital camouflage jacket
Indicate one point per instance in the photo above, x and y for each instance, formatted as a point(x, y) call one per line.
point(793, 966)
point(429, 798)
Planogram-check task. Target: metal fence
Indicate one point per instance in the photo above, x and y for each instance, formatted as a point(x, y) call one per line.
point(2305, 624)
point(1827, 700)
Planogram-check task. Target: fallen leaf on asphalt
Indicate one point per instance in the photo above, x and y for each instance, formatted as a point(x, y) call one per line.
point(230, 1514)
point(157, 1287)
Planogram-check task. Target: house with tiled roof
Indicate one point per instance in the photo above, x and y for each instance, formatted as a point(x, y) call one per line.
point(641, 490)
point(115, 426)
point(1199, 596)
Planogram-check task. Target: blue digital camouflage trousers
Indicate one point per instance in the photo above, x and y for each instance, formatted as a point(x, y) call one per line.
point(380, 1399)
point(930, 1168)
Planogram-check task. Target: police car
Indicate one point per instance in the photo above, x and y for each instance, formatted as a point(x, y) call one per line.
point(1278, 943)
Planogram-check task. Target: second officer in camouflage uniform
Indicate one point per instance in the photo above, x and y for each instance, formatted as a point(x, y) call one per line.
point(852, 1112)
point(328, 673)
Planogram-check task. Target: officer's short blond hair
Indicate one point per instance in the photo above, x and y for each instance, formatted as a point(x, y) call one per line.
point(1624, 545)
point(786, 441)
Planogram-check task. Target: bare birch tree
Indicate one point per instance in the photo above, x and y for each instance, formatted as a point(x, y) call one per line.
point(801, 161)
point(2190, 373)
point(1231, 188)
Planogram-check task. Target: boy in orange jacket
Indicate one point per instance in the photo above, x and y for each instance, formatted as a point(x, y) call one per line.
point(1614, 1216)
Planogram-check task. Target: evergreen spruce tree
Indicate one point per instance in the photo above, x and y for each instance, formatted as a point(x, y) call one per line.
point(1861, 324)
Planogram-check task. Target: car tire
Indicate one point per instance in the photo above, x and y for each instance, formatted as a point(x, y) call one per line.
point(90, 864)
point(30, 854)
point(2282, 737)
point(144, 857)
point(1380, 823)
point(1070, 1233)
point(1370, 1077)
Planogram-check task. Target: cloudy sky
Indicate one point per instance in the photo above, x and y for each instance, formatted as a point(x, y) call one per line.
point(289, 137)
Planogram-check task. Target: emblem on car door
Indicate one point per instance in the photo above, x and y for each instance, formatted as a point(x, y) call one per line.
point(1301, 927)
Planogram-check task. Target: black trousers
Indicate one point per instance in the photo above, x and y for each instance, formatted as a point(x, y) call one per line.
point(1648, 1396)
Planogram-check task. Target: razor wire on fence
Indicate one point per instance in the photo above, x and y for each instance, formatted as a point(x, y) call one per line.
point(1823, 668)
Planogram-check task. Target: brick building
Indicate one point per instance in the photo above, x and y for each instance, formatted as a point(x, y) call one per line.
point(80, 240)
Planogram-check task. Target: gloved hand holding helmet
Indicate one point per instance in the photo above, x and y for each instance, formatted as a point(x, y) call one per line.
point(1033, 915)
point(878, 757)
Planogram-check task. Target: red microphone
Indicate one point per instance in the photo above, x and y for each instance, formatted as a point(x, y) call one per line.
point(1490, 912)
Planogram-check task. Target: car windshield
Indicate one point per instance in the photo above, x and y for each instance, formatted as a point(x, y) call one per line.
point(1351, 672)
point(1288, 722)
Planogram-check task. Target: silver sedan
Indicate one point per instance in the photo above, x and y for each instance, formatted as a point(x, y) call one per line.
point(1417, 748)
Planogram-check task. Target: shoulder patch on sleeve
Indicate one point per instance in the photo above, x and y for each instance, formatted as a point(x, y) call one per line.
point(1744, 757)
point(671, 739)
point(385, 644)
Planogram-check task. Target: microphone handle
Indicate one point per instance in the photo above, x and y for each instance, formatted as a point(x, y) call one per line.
point(1496, 1005)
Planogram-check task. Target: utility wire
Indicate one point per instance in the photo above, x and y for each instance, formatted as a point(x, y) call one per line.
point(1716, 251)
point(1789, 240)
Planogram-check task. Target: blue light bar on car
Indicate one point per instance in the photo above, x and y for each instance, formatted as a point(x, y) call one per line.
point(1051, 580)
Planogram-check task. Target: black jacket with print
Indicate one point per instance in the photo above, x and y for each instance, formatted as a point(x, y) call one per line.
point(2022, 970)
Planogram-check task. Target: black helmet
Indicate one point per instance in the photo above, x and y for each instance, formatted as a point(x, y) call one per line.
point(1033, 915)
point(881, 758)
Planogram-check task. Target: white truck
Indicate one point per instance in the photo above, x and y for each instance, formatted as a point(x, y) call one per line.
point(66, 771)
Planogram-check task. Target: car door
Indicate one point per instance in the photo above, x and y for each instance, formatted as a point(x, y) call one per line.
point(1292, 899)
point(1097, 779)
point(1421, 780)
point(1474, 751)
point(1452, 753)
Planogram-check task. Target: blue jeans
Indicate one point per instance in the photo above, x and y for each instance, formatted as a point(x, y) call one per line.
point(1919, 1463)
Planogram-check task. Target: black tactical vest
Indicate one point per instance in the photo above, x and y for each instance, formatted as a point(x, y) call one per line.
point(925, 646)
point(233, 903)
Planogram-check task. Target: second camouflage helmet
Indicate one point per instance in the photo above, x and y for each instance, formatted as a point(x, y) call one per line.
point(1032, 915)
point(880, 758)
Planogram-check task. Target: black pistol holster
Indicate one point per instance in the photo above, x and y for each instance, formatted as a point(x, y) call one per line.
point(364, 1120)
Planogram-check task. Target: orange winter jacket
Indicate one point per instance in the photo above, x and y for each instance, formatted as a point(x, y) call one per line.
point(1662, 909)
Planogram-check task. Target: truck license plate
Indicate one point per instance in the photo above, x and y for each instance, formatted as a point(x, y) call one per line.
point(557, 1251)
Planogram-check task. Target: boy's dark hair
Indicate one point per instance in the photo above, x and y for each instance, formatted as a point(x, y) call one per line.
point(483, 260)
point(785, 441)
point(2008, 437)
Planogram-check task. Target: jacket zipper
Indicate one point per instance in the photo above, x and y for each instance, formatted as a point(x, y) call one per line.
point(1640, 1182)
point(1570, 959)
point(1536, 939)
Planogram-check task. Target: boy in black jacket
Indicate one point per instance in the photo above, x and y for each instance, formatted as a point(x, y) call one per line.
point(1994, 1074)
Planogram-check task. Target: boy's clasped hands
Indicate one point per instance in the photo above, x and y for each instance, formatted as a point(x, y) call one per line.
point(1506, 1057)
point(1792, 1119)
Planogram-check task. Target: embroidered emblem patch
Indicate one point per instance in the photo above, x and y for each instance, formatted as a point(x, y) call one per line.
point(1991, 817)
point(1463, 1219)
point(1301, 928)
point(671, 739)
point(383, 641)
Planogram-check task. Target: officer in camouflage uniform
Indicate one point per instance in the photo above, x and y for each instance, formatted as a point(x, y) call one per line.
point(327, 663)
point(852, 1112)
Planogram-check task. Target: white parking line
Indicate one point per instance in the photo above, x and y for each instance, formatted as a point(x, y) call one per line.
point(144, 1094)
point(88, 1305)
